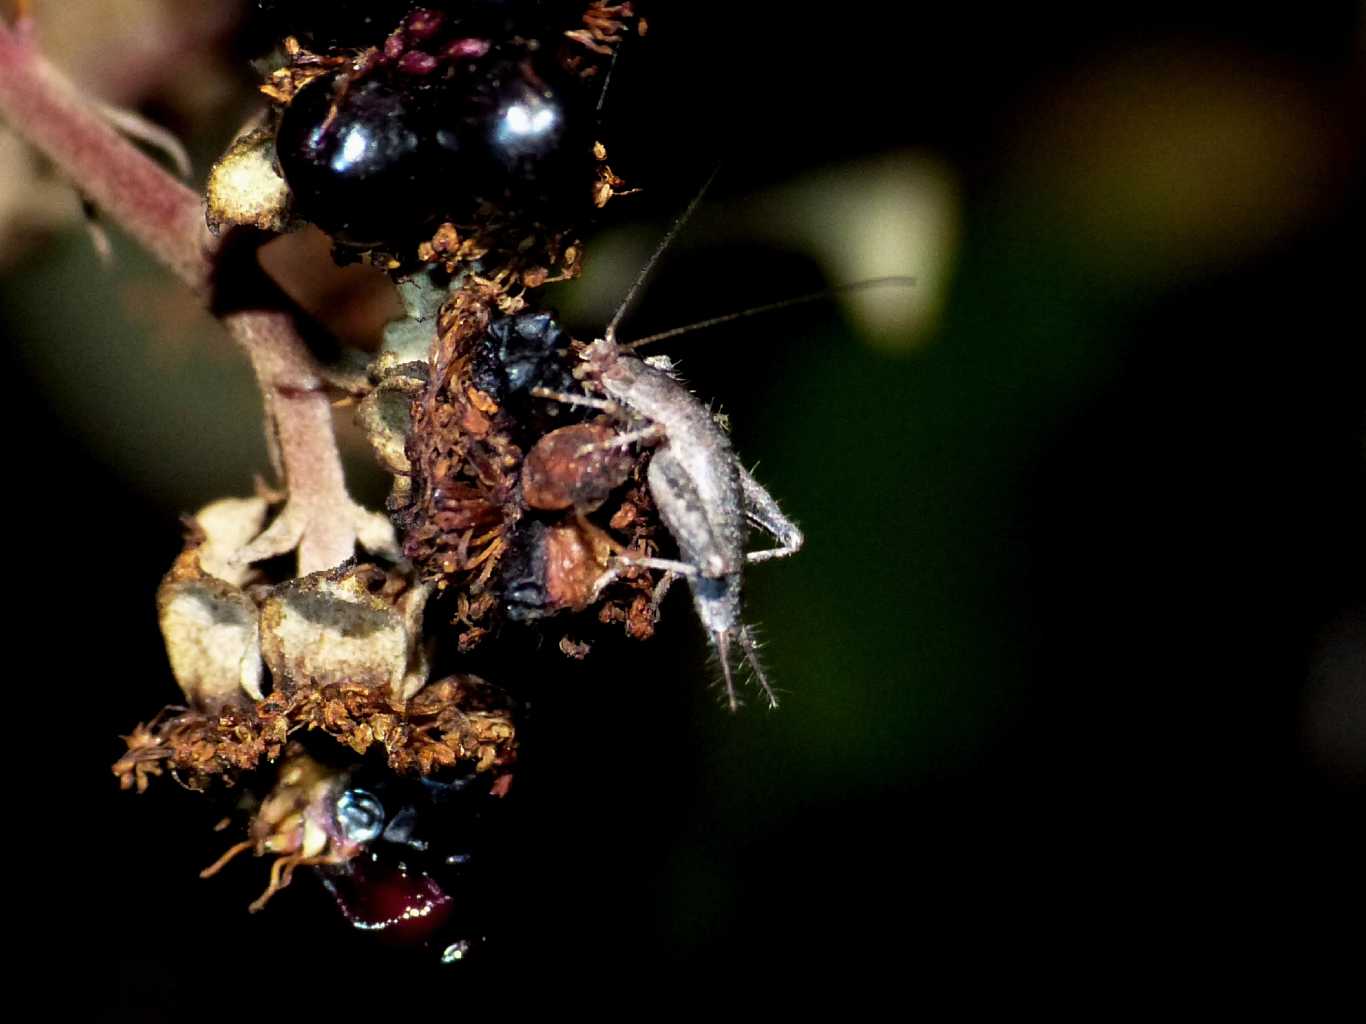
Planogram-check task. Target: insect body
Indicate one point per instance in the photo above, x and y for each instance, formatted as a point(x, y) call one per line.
point(705, 496)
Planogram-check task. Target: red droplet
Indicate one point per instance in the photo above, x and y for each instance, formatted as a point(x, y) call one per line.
point(407, 906)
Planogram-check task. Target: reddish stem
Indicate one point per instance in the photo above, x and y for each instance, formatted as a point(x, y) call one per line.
point(167, 218)
point(42, 106)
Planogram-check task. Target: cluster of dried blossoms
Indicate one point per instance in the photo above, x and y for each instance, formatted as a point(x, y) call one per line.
point(502, 510)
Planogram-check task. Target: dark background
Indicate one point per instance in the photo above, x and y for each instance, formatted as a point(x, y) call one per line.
point(1075, 658)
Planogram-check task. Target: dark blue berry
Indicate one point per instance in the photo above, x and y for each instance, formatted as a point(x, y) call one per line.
point(522, 352)
point(531, 123)
point(355, 154)
point(375, 157)
point(425, 860)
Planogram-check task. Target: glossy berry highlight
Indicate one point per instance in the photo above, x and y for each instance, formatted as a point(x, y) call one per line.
point(356, 155)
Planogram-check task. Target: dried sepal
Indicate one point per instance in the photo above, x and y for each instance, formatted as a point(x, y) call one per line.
point(209, 624)
point(385, 418)
point(457, 719)
point(354, 624)
point(246, 188)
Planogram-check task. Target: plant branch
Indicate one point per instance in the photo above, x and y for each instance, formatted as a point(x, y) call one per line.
point(167, 218)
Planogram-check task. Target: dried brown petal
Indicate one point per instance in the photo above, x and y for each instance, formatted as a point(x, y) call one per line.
point(573, 467)
point(574, 560)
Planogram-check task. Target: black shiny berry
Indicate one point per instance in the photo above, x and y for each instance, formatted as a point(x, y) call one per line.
point(355, 152)
point(522, 352)
point(531, 124)
point(425, 860)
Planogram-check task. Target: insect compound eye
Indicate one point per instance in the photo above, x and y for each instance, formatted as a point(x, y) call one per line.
point(360, 815)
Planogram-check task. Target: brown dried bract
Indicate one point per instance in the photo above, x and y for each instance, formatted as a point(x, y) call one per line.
point(530, 255)
point(303, 67)
point(460, 718)
point(462, 500)
point(575, 467)
point(575, 552)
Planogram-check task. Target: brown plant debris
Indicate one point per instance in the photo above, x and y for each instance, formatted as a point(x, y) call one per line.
point(459, 718)
point(605, 25)
point(574, 467)
point(503, 505)
point(463, 500)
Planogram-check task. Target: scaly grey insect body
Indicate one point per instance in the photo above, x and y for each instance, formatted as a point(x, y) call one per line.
point(705, 496)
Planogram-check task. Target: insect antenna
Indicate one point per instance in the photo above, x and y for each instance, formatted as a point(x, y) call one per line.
point(768, 307)
point(611, 332)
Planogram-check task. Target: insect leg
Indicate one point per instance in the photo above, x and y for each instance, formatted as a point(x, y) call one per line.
point(670, 568)
point(661, 588)
point(651, 433)
point(763, 512)
point(611, 408)
point(666, 565)
point(751, 650)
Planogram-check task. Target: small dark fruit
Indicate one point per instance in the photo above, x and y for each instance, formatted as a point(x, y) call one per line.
point(531, 123)
point(361, 173)
point(425, 864)
point(375, 156)
point(522, 352)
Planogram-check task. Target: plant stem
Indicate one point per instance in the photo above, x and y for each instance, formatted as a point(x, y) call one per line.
point(167, 218)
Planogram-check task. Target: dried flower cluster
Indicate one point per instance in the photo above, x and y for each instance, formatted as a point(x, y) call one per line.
point(447, 144)
point(500, 515)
